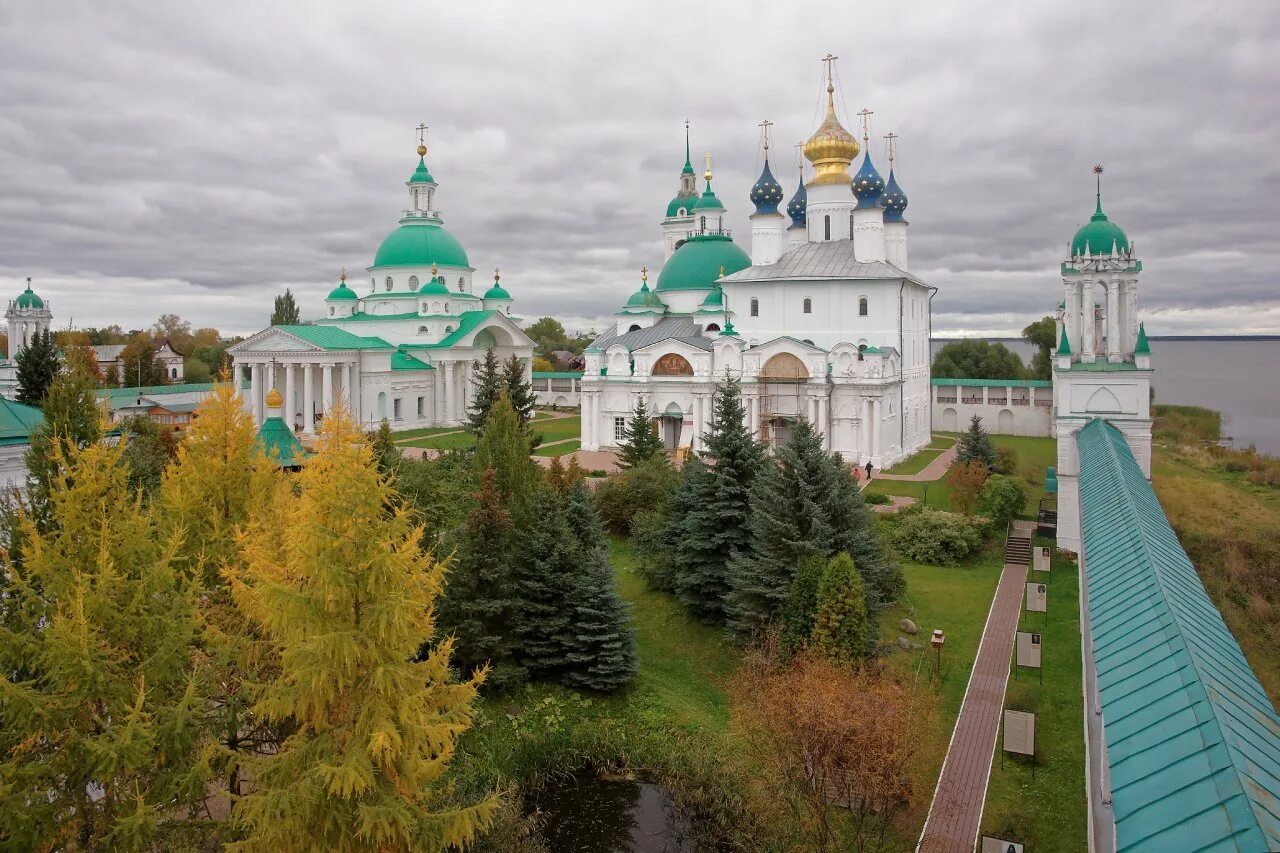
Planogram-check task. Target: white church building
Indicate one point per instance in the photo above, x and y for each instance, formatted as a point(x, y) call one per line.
point(1103, 365)
point(823, 319)
point(404, 349)
point(27, 316)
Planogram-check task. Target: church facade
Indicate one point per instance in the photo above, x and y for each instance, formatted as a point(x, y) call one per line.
point(404, 349)
point(822, 320)
point(1102, 369)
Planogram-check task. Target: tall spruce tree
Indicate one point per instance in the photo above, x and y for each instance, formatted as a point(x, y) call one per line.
point(803, 504)
point(37, 366)
point(546, 584)
point(519, 389)
point(718, 525)
point(801, 605)
point(486, 381)
point(841, 629)
point(604, 654)
point(386, 455)
point(97, 690)
point(72, 421)
point(698, 580)
point(478, 607)
point(666, 549)
point(343, 589)
point(504, 447)
point(284, 311)
point(855, 534)
point(640, 441)
point(975, 445)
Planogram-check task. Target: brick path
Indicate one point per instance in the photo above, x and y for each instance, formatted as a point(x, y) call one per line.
point(933, 471)
point(956, 813)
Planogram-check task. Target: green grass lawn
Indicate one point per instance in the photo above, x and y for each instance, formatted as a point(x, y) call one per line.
point(917, 462)
point(422, 433)
point(558, 428)
point(562, 449)
point(447, 441)
point(1047, 812)
point(955, 599)
point(938, 497)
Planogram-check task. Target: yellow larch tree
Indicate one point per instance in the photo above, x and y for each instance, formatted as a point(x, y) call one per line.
point(342, 588)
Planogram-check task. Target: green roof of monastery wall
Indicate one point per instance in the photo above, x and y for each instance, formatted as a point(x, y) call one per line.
point(18, 421)
point(1192, 741)
point(997, 383)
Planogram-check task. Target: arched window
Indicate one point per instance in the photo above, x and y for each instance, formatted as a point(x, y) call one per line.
point(702, 222)
point(826, 227)
point(851, 225)
point(422, 330)
point(755, 307)
point(331, 310)
point(861, 349)
point(373, 284)
point(413, 282)
point(862, 307)
point(388, 282)
point(635, 327)
point(679, 243)
point(435, 307)
point(808, 305)
point(784, 367)
point(713, 327)
point(448, 329)
point(462, 283)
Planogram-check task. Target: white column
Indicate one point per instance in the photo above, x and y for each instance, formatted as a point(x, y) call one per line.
point(1088, 345)
point(346, 390)
point(326, 387)
point(1113, 320)
point(255, 391)
point(290, 404)
point(448, 392)
point(584, 402)
point(823, 424)
point(864, 444)
point(308, 400)
point(875, 428)
point(753, 415)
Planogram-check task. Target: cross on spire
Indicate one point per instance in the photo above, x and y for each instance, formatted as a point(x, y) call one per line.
point(342, 276)
point(866, 114)
point(707, 175)
point(644, 274)
point(765, 125)
point(891, 140)
point(830, 61)
point(497, 274)
point(799, 146)
point(422, 134)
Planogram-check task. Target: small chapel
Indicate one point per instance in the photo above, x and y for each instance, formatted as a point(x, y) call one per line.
point(403, 348)
point(821, 320)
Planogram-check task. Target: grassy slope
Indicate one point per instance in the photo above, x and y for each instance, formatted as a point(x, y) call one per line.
point(1047, 812)
point(916, 463)
point(560, 449)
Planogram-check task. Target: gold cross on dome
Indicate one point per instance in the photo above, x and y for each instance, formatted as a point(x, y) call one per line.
point(496, 273)
point(891, 138)
point(644, 274)
point(830, 61)
point(765, 125)
point(866, 115)
point(422, 134)
point(342, 276)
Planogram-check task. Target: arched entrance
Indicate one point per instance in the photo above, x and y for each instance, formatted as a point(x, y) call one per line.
point(950, 421)
point(671, 425)
point(781, 384)
point(1004, 422)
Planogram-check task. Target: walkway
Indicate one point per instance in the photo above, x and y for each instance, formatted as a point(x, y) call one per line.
point(956, 813)
point(933, 471)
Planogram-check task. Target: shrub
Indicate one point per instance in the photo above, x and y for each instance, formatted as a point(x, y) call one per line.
point(652, 557)
point(936, 538)
point(797, 614)
point(1006, 461)
point(840, 626)
point(875, 497)
point(647, 486)
point(964, 483)
point(1002, 498)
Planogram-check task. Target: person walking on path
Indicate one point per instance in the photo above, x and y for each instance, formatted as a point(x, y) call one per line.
point(868, 470)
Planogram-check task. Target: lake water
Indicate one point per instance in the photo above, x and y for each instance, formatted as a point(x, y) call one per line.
point(1240, 379)
point(587, 814)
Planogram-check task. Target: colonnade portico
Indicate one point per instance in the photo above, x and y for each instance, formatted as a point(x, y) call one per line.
point(310, 386)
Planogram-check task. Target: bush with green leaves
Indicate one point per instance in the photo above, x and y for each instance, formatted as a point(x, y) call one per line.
point(649, 485)
point(649, 548)
point(1002, 498)
point(934, 537)
point(1006, 461)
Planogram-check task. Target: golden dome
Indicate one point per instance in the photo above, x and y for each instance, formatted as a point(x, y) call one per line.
point(422, 150)
point(831, 148)
point(274, 399)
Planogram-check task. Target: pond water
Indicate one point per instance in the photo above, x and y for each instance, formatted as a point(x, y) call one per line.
point(587, 814)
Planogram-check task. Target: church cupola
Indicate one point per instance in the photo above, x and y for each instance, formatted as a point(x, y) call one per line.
point(342, 300)
point(768, 227)
point(799, 202)
point(767, 192)
point(831, 148)
point(1099, 236)
point(708, 210)
point(422, 187)
point(894, 202)
point(28, 316)
point(867, 184)
point(868, 216)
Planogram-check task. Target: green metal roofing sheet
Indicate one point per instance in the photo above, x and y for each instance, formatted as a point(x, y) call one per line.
point(280, 444)
point(467, 322)
point(994, 383)
point(1192, 741)
point(331, 337)
point(557, 374)
point(1104, 366)
point(401, 360)
point(153, 390)
point(18, 422)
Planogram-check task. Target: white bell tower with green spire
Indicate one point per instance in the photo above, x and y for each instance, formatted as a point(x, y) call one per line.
point(1102, 368)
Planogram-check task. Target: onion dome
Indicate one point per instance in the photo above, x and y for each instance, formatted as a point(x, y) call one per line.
point(681, 202)
point(708, 200)
point(28, 298)
point(831, 148)
point(867, 184)
point(644, 299)
point(420, 174)
point(497, 291)
point(700, 261)
point(894, 200)
point(342, 291)
point(274, 399)
point(799, 204)
point(715, 298)
point(729, 330)
point(767, 192)
point(1099, 236)
point(435, 285)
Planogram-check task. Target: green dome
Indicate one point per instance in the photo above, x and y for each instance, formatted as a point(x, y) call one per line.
point(497, 292)
point(420, 174)
point(696, 264)
point(645, 298)
point(1099, 236)
point(28, 299)
point(420, 244)
point(715, 299)
point(342, 292)
point(708, 200)
point(434, 287)
point(687, 202)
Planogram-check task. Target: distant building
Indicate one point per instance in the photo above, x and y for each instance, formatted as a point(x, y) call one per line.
point(1006, 406)
point(112, 355)
point(17, 423)
point(28, 315)
point(171, 406)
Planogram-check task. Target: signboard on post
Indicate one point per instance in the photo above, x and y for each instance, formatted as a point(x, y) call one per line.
point(1029, 649)
point(995, 845)
point(1042, 554)
point(1020, 732)
point(1037, 597)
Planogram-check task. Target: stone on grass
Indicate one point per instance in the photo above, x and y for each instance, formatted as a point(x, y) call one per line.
point(908, 627)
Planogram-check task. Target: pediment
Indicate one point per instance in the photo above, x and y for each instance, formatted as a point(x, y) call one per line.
point(273, 340)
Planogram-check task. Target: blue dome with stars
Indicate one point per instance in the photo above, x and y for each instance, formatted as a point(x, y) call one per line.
point(894, 200)
point(798, 205)
point(867, 184)
point(767, 192)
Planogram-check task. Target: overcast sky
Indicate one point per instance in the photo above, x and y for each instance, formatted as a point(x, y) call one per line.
point(199, 158)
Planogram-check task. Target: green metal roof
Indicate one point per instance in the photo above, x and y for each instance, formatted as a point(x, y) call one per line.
point(401, 360)
point(687, 202)
point(342, 292)
point(1099, 236)
point(697, 263)
point(708, 200)
point(1051, 481)
point(421, 175)
point(154, 390)
point(28, 299)
point(1143, 347)
point(467, 322)
point(280, 444)
point(1104, 366)
point(1064, 345)
point(557, 374)
point(1192, 740)
point(994, 383)
point(331, 337)
point(420, 243)
point(18, 421)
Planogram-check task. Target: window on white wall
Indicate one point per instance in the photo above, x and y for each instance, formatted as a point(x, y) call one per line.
point(413, 282)
point(388, 283)
point(808, 305)
point(462, 283)
point(619, 429)
point(755, 307)
point(422, 407)
point(851, 225)
point(862, 307)
point(395, 408)
point(826, 227)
